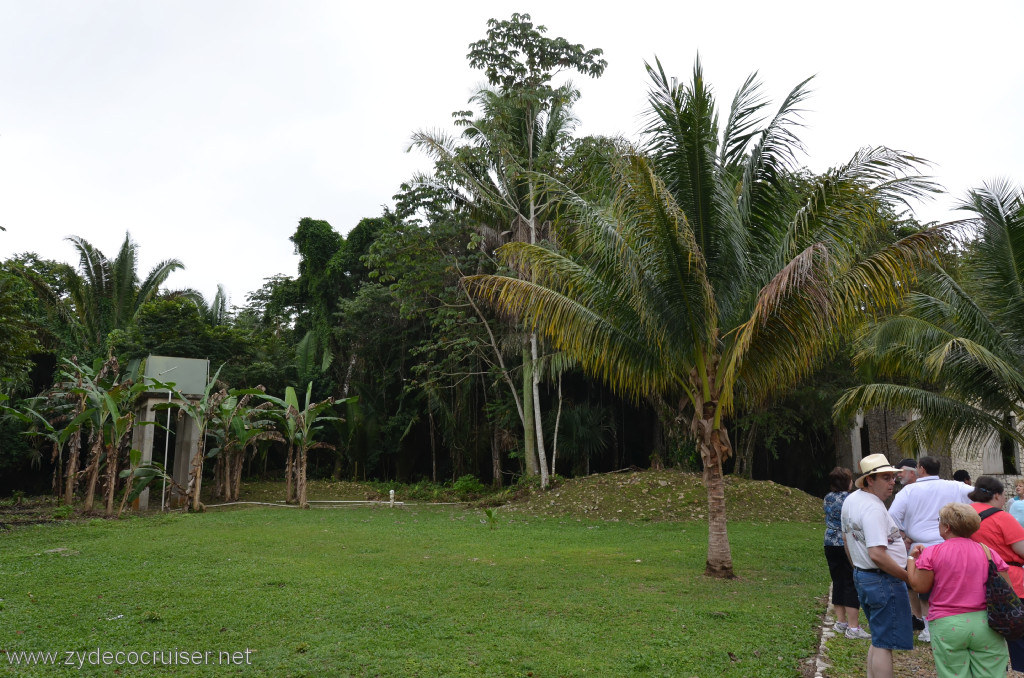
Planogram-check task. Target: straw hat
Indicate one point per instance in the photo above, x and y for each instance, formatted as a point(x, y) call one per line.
point(872, 464)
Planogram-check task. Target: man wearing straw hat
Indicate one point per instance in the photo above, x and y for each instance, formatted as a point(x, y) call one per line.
point(879, 556)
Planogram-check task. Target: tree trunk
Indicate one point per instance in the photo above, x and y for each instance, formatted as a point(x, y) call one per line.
point(538, 422)
point(112, 464)
point(93, 471)
point(495, 457)
point(433, 450)
point(715, 447)
point(219, 487)
point(745, 460)
point(235, 484)
point(74, 452)
point(288, 471)
point(58, 471)
point(558, 420)
point(301, 477)
point(719, 563)
point(529, 430)
point(195, 476)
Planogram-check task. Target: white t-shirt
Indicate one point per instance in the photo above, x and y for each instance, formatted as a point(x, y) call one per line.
point(916, 507)
point(866, 523)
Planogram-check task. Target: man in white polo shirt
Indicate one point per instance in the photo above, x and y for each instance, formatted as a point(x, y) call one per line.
point(879, 556)
point(916, 511)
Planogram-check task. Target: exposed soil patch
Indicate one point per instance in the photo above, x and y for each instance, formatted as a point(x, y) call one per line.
point(30, 511)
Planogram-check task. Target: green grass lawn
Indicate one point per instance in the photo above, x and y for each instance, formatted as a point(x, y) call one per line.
point(419, 591)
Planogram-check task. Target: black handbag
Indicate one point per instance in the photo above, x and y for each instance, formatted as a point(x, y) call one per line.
point(1005, 610)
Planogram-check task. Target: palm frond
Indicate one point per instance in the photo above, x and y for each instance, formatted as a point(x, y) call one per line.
point(744, 123)
point(939, 417)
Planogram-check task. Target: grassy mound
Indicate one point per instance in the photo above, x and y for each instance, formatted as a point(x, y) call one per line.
point(629, 496)
point(668, 495)
point(633, 496)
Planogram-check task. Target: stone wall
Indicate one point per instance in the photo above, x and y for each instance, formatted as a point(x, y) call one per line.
point(873, 433)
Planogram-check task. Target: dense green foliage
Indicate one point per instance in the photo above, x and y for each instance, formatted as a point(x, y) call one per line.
point(445, 386)
point(955, 352)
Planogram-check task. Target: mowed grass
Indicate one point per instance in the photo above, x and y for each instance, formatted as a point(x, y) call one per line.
point(415, 591)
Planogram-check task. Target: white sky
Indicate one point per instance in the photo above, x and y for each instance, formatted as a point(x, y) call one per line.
point(208, 128)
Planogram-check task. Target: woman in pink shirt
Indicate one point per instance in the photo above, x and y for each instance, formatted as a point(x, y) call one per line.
point(955, 572)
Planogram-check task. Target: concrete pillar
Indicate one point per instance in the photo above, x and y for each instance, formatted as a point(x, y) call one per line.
point(142, 440)
point(992, 457)
point(187, 442)
point(856, 452)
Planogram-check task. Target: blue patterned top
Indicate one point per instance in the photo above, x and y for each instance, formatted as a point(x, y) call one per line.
point(834, 518)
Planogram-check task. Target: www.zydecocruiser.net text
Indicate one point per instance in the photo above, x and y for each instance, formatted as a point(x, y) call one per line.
point(80, 659)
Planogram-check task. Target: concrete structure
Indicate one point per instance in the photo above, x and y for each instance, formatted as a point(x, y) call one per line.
point(189, 377)
point(872, 433)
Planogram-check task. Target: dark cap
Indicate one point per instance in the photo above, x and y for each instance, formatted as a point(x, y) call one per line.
point(907, 463)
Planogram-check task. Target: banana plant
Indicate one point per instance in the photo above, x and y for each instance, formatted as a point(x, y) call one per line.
point(237, 426)
point(139, 475)
point(300, 427)
point(108, 410)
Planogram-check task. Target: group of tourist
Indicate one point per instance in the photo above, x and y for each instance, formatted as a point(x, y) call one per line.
point(922, 563)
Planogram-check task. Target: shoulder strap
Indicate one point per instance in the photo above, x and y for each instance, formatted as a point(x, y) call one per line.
point(988, 512)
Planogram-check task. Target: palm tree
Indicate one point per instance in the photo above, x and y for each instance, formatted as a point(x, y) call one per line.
point(709, 271)
point(106, 294)
point(955, 352)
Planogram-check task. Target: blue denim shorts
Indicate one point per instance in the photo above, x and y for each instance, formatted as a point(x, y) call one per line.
point(886, 604)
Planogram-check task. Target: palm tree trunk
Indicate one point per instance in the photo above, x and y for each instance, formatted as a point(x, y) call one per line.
point(719, 563)
point(714, 446)
point(529, 429)
point(542, 456)
point(713, 442)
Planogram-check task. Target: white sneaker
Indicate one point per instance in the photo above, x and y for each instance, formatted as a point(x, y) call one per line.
point(841, 626)
point(925, 636)
point(855, 633)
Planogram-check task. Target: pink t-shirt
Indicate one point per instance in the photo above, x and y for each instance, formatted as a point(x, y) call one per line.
point(960, 568)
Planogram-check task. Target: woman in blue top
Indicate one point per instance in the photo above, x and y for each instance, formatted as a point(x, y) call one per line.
point(844, 595)
point(1016, 504)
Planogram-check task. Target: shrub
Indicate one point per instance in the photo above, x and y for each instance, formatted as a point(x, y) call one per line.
point(468, 487)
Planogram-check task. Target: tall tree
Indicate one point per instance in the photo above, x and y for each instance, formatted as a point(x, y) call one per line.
point(524, 127)
point(954, 354)
point(18, 332)
point(704, 274)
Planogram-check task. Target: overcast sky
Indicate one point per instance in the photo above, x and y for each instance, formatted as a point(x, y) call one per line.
point(208, 128)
